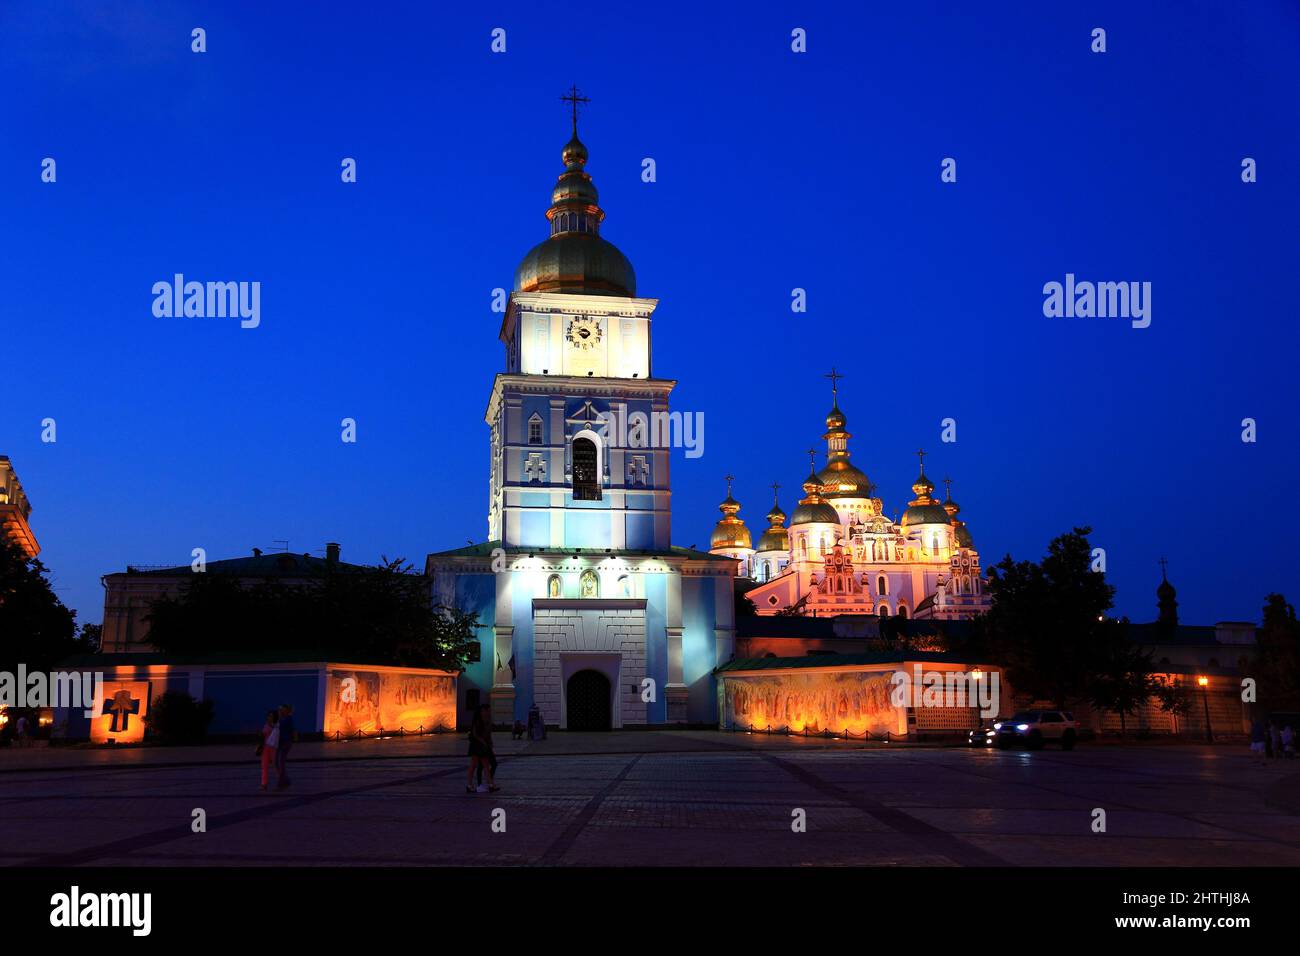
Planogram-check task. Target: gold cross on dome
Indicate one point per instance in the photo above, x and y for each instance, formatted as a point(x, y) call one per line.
point(834, 377)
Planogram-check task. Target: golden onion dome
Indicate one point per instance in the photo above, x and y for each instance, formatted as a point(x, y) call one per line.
point(932, 513)
point(730, 532)
point(812, 508)
point(774, 540)
point(575, 258)
point(840, 479)
point(817, 513)
point(730, 535)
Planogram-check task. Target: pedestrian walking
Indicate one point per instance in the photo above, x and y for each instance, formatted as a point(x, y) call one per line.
point(270, 740)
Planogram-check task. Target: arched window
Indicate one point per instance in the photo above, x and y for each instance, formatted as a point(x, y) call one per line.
point(902, 610)
point(535, 429)
point(589, 584)
point(553, 586)
point(586, 470)
point(803, 545)
point(934, 543)
point(884, 611)
point(625, 586)
point(882, 585)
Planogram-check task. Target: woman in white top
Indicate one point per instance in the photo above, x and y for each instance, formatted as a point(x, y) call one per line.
point(270, 740)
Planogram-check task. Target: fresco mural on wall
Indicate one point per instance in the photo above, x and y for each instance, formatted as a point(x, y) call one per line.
point(854, 702)
point(365, 702)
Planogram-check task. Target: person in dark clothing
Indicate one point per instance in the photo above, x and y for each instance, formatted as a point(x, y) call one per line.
point(287, 737)
point(481, 755)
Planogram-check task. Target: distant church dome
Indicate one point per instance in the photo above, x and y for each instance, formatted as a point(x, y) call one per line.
point(730, 531)
point(924, 509)
point(775, 538)
point(575, 258)
point(812, 508)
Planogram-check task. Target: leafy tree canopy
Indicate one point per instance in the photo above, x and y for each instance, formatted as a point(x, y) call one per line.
point(377, 615)
point(36, 629)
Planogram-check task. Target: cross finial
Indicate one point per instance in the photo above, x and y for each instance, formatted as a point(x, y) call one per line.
point(812, 458)
point(730, 479)
point(921, 454)
point(776, 487)
point(573, 97)
point(947, 487)
point(1163, 562)
point(834, 377)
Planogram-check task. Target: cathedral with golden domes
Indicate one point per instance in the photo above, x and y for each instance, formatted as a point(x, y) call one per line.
point(841, 554)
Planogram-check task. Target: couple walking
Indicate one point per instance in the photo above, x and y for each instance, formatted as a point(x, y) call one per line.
point(278, 736)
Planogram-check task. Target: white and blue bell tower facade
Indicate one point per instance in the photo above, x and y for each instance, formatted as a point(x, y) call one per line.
point(586, 609)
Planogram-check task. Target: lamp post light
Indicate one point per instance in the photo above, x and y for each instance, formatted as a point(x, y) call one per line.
point(1205, 699)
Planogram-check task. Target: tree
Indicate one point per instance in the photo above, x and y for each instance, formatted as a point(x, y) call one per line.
point(1047, 621)
point(36, 628)
point(177, 718)
point(376, 615)
point(1123, 680)
point(1276, 662)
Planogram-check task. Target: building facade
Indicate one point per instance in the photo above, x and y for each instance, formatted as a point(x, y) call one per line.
point(588, 611)
point(15, 510)
point(841, 554)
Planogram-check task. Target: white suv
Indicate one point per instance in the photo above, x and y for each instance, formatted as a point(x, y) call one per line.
point(1034, 728)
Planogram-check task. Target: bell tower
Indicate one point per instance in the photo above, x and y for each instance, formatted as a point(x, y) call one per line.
point(573, 458)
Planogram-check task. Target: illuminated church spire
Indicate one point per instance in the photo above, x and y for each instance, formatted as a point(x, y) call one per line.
point(575, 259)
point(840, 479)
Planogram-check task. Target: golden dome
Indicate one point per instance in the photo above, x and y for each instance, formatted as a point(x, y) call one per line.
point(730, 532)
point(575, 258)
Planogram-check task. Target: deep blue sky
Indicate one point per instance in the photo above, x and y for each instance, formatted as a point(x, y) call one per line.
point(775, 170)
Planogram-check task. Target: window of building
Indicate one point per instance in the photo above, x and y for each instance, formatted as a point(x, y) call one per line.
point(882, 585)
point(902, 611)
point(535, 429)
point(586, 477)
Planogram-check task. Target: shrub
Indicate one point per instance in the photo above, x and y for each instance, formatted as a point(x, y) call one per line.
point(177, 718)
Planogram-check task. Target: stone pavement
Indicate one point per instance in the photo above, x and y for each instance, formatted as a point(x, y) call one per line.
point(654, 798)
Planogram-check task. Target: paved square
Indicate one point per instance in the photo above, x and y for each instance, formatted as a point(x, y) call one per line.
point(646, 799)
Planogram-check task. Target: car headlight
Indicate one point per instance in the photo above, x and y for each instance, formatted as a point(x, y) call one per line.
point(1022, 726)
point(997, 726)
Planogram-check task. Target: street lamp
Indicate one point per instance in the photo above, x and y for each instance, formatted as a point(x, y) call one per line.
point(1205, 699)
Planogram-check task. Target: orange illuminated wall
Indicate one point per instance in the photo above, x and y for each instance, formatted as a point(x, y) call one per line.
point(369, 701)
point(854, 701)
point(125, 705)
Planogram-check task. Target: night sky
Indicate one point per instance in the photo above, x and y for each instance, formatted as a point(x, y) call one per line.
point(775, 170)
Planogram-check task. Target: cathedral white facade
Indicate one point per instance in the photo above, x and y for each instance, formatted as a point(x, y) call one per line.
point(588, 611)
point(841, 554)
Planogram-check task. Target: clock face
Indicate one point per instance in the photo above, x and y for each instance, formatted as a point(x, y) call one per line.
point(584, 333)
